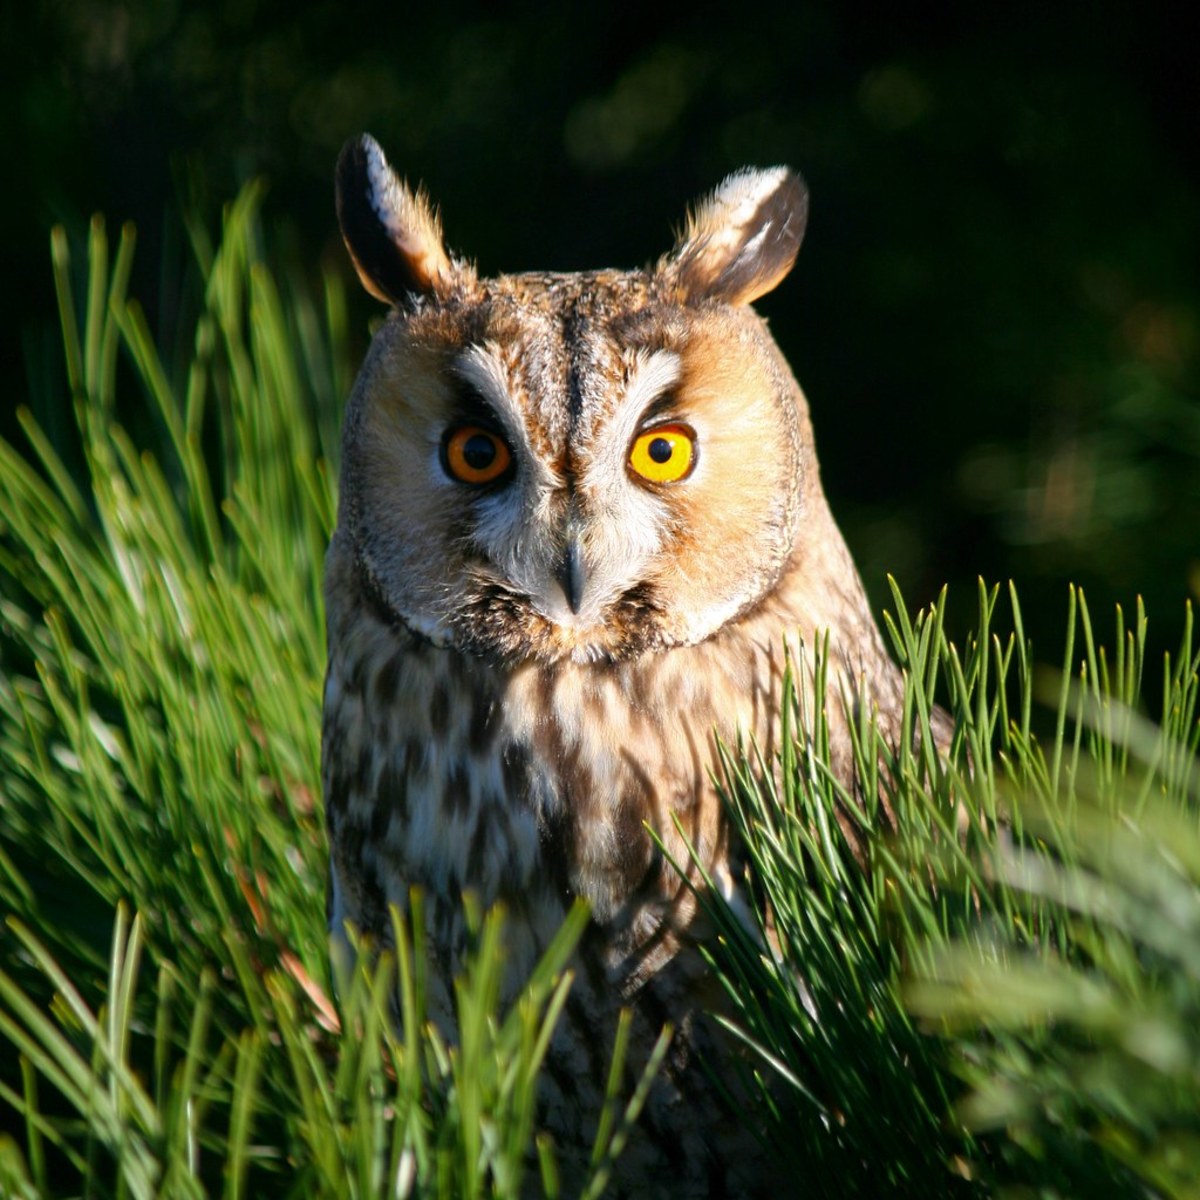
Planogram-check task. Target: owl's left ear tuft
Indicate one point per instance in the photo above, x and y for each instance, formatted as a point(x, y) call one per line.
point(742, 240)
point(393, 234)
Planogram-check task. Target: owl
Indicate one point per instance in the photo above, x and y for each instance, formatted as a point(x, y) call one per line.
point(580, 516)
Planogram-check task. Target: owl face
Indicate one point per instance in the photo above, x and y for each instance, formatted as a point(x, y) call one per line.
point(581, 466)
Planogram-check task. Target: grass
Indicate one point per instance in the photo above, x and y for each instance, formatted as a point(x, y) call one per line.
point(1002, 1000)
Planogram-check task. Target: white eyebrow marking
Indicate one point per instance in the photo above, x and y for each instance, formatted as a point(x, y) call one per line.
point(481, 366)
point(652, 375)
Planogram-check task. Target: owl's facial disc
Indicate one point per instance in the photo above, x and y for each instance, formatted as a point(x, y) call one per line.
point(576, 524)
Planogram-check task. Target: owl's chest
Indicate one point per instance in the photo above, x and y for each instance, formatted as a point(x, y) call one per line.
point(449, 773)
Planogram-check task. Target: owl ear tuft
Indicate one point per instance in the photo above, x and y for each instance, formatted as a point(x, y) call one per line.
point(741, 240)
point(392, 233)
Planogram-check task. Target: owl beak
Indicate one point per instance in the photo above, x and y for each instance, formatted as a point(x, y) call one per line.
point(571, 576)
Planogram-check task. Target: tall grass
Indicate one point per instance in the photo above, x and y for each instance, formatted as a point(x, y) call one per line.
point(1001, 998)
point(1004, 998)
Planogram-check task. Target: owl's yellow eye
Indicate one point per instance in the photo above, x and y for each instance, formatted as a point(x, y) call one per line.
point(663, 454)
point(472, 454)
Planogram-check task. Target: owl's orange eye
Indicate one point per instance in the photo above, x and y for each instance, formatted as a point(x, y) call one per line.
point(472, 454)
point(663, 454)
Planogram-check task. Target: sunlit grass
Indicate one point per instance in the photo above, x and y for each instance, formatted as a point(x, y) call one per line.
point(1002, 992)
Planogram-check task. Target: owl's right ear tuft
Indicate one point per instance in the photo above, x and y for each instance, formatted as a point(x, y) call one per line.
point(741, 240)
point(392, 233)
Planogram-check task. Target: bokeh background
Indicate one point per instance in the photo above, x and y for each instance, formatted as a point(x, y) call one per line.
point(995, 315)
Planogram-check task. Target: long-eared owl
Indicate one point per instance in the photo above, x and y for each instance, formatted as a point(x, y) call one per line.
point(580, 515)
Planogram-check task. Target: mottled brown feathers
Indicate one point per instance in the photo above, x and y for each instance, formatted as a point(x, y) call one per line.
point(524, 676)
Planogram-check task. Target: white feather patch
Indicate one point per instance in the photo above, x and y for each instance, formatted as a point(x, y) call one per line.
point(723, 216)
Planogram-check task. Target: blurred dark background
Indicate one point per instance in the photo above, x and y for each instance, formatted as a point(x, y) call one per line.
point(995, 315)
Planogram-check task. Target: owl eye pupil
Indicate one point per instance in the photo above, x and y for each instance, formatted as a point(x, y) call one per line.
point(479, 452)
point(660, 450)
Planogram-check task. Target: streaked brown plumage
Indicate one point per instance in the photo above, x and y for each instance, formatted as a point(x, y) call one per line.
point(525, 671)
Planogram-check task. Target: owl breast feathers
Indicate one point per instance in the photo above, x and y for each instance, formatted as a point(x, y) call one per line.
point(580, 516)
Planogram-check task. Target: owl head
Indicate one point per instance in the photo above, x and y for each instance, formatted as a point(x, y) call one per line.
point(583, 466)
